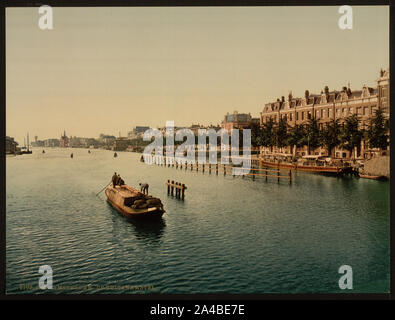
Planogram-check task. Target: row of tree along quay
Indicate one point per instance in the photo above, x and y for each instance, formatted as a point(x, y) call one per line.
point(347, 135)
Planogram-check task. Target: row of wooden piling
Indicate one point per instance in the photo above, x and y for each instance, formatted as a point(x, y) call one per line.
point(254, 172)
point(178, 187)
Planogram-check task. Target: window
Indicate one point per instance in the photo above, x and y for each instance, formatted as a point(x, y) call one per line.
point(365, 111)
point(322, 113)
point(351, 110)
point(317, 113)
point(337, 112)
point(344, 112)
point(290, 117)
point(308, 115)
point(302, 115)
point(297, 115)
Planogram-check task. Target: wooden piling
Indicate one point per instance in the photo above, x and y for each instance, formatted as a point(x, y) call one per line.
point(177, 190)
point(290, 176)
point(178, 186)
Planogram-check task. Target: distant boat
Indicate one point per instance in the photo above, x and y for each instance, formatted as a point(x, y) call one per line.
point(132, 203)
point(71, 156)
point(43, 151)
point(115, 155)
point(25, 149)
point(89, 151)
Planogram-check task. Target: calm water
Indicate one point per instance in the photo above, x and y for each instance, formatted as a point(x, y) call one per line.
point(230, 235)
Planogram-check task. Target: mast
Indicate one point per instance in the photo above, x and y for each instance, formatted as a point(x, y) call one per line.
point(28, 141)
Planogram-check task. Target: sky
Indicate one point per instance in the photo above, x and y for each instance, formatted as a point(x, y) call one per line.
point(106, 70)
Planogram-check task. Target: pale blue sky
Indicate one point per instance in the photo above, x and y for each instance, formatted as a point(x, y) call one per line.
point(109, 69)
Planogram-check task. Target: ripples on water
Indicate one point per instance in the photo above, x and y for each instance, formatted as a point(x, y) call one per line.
point(230, 235)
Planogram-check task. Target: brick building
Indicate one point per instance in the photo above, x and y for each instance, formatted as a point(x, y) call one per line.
point(64, 141)
point(331, 105)
point(238, 121)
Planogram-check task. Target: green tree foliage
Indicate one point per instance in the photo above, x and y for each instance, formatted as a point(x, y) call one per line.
point(350, 135)
point(312, 137)
point(256, 135)
point(296, 136)
point(329, 135)
point(268, 137)
point(281, 135)
point(377, 131)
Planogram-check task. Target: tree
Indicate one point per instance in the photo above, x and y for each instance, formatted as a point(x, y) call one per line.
point(312, 134)
point(296, 136)
point(256, 135)
point(350, 135)
point(377, 131)
point(329, 136)
point(268, 138)
point(281, 133)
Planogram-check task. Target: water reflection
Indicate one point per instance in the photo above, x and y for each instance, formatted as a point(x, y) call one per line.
point(150, 229)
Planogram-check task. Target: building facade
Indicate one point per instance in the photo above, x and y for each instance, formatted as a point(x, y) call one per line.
point(64, 141)
point(238, 121)
point(331, 105)
point(10, 145)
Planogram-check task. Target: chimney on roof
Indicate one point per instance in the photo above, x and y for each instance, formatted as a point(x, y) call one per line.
point(307, 94)
point(290, 96)
point(282, 99)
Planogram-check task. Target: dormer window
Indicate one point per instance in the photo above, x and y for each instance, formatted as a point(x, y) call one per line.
point(365, 92)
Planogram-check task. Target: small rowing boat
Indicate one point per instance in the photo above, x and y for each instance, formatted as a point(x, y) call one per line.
point(132, 203)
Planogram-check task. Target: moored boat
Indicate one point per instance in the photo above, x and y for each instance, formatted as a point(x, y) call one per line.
point(307, 168)
point(366, 176)
point(132, 203)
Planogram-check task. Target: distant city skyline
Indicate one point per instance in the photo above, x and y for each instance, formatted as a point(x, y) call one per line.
point(107, 70)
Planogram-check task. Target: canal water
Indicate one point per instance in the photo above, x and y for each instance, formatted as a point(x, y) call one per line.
point(229, 235)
